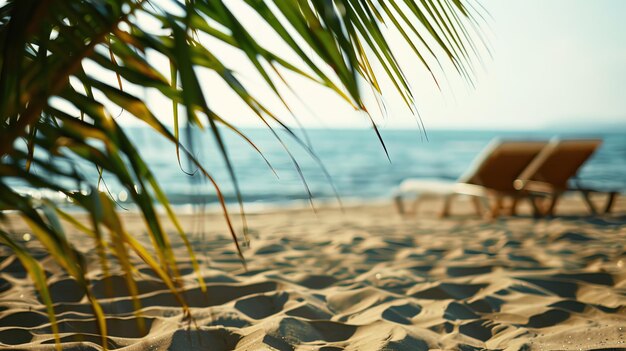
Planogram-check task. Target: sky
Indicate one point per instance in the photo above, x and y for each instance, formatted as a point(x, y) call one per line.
point(553, 64)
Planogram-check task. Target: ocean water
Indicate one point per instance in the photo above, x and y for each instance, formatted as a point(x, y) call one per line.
point(355, 161)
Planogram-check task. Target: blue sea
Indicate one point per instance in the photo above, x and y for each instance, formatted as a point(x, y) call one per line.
point(349, 163)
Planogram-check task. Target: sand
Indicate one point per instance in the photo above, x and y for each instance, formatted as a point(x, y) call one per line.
point(363, 279)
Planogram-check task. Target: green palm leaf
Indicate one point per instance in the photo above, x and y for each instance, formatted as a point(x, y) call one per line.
point(54, 111)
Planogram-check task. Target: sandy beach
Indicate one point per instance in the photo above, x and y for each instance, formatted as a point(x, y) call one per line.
point(362, 279)
point(132, 134)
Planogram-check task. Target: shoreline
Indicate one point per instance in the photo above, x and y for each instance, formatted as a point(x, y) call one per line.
point(573, 206)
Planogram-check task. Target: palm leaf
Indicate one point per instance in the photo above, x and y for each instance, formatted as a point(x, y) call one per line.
point(61, 111)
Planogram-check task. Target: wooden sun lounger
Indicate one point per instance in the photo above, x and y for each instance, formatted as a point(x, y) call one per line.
point(549, 174)
point(491, 176)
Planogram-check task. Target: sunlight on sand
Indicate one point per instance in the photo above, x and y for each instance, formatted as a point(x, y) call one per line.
point(366, 279)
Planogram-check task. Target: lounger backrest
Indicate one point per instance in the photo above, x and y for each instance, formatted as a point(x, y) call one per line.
point(501, 163)
point(560, 161)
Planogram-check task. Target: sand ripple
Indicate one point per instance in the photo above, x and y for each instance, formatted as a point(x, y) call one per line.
point(366, 280)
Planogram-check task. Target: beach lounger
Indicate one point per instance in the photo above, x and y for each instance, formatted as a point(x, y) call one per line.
point(491, 175)
point(551, 173)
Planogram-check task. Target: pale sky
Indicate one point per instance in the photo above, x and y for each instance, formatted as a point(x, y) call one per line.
point(555, 62)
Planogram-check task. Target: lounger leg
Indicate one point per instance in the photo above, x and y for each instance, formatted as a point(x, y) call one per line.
point(496, 206)
point(590, 206)
point(477, 206)
point(610, 201)
point(553, 202)
point(514, 202)
point(399, 204)
point(447, 204)
point(537, 210)
point(485, 202)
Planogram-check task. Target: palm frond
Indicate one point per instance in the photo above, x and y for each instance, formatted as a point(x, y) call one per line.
point(66, 65)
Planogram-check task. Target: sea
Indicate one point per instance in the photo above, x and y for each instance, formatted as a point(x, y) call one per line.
point(332, 165)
